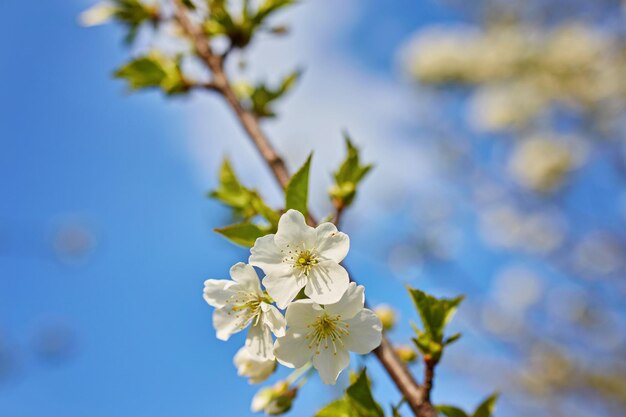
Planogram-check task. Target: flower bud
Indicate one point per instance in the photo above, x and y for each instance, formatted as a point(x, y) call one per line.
point(406, 353)
point(256, 369)
point(387, 316)
point(274, 400)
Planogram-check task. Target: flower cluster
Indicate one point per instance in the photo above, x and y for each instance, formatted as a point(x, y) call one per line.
point(522, 70)
point(325, 315)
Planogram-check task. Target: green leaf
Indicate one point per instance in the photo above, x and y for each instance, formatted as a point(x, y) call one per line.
point(244, 234)
point(435, 313)
point(450, 411)
point(348, 176)
point(427, 346)
point(260, 98)
point(268, 7)
point(241, 27)
point(288, 82)
point(153, 70)
point(338, 408)
point(452, 339)
point(245, 202)
point(395, 411)
point(485, 409)
point(230, 191)
point(357, 402)
point(133, 13)
point(297, 191)
point(221, 22)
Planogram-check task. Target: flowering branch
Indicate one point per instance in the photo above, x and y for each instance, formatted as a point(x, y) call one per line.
point(417, 398)
point(326, 316)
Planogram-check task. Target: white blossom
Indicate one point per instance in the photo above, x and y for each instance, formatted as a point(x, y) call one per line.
point(325, 334)
point(241, 303)
point(97, 15)
point(299, 256)
point(255, 368)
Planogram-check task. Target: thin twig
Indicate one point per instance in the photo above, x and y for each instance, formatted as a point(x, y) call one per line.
point(429, 375)
point(396, 369)
point(339, 208)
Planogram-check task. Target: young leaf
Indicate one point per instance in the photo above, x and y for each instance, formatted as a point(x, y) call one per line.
point(435, 313)
point(450, 411)
point(268, 7)
point(348, 176)
point(244, 234)
point(240, 28)
point(260, 98)
point(142, 72)
point(153, 70)
point(452, 339)
point(246, 203)
point(485, 409)
point(133, 13)
point(297, 191)
point(361, 395)
point(395, 412)
point(230, 191)
point(357, 402)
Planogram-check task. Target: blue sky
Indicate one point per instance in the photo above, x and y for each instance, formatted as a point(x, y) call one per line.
point(76, 151)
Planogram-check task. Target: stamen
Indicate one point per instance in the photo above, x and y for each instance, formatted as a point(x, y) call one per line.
point(301, 259)
point(327, 330)
point(246, 306)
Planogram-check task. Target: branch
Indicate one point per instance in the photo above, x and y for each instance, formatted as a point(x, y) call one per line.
point(248, 121)
point(429, 375)
point(415, 395)
point(339, 208)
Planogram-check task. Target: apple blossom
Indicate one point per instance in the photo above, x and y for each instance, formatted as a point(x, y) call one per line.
point(325, 334)
point(299, 256)
point(241, 303)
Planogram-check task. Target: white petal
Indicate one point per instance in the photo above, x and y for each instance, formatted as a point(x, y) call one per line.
point(262, 399)
point(265, 254)
point(246, 276)
point(259, 341)
point(327, 283)
point(301, 313)
point(292, 350)
point(256, 369)
point(364, 332)
point(283, 286)
point(294, 232)
point(218, 291)
point(330, 363)
point(350, 304)
point(331, 244)
point(227, 322)
point(97, 15)
point(273, 319)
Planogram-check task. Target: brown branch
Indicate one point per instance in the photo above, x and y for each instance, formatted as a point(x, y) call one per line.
point(397, 370)
point(426, 409)
point(248, 121)
point(429, 375)
point(339, 208)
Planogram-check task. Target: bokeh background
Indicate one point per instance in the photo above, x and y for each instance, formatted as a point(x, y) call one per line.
point(497, 132)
